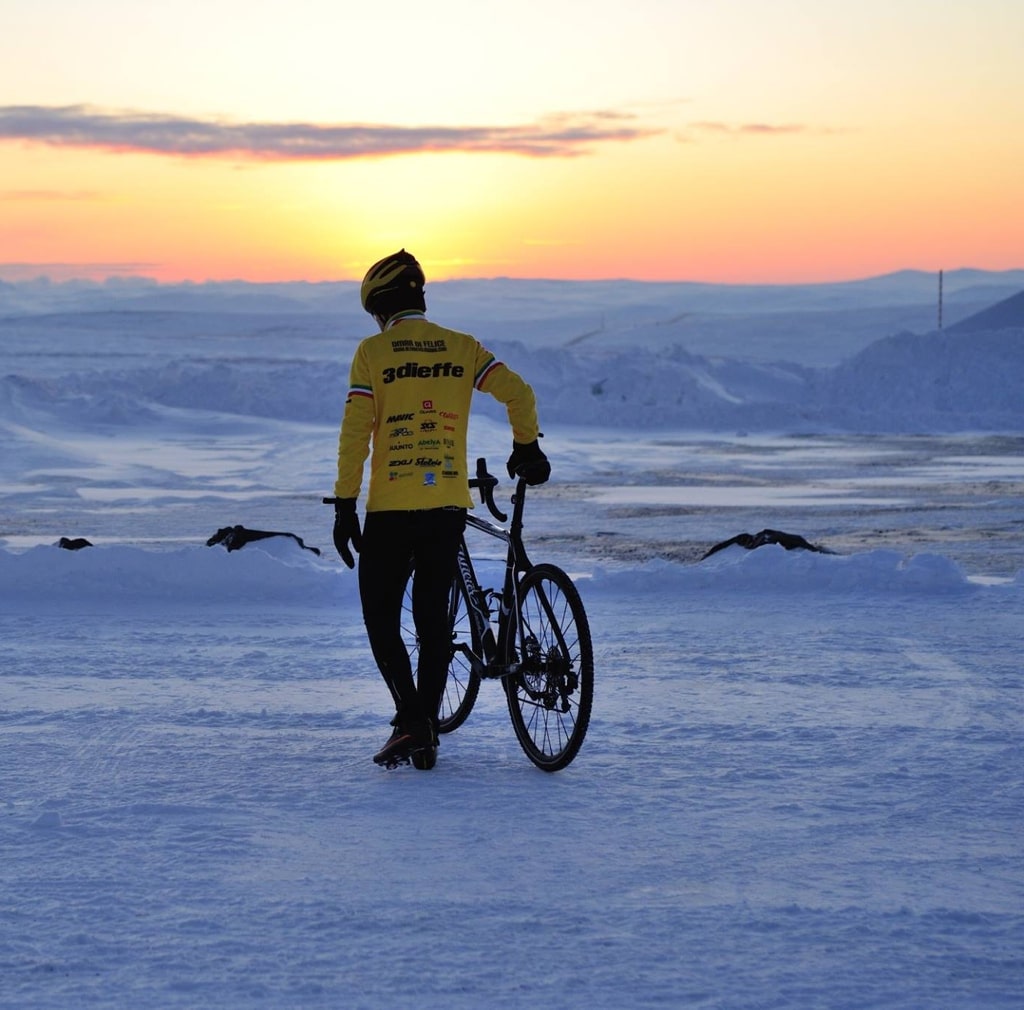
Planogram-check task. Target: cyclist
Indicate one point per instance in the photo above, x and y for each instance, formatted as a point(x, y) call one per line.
point(409, 396)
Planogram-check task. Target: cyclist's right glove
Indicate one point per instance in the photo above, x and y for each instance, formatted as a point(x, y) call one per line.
point(346, 529)
point(527, 461)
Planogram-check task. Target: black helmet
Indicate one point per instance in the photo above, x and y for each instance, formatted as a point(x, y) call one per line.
point(393, 284)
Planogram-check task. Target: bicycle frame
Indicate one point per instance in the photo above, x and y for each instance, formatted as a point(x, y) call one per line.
point(532, 635)
point(487, 664)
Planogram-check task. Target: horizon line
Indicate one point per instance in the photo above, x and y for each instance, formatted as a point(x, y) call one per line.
point(103, 273)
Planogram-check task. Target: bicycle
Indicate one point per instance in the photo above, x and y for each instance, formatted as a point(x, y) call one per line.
point(539, 646)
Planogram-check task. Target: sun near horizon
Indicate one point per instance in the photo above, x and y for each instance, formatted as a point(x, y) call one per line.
point(740, 144)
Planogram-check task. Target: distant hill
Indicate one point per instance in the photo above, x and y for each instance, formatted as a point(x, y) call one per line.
point(940, 381)
point(1005, 315)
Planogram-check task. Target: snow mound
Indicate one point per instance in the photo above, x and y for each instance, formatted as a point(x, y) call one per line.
point(774, 569)
point(279, 571)
point(275, 570)
point(905, 383)
point(1005, 315)
point(930, 382)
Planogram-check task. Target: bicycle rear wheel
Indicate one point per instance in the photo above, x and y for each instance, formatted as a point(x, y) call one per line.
point(550, 697)
point(463, 683)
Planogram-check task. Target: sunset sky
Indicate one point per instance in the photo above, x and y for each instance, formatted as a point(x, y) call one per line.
point(735, 141)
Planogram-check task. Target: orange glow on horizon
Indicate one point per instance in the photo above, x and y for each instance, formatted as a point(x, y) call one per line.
point(732, 143)
point(778, 210)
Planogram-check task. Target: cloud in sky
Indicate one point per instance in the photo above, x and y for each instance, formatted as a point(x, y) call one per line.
point(739, 130)
point(563, 135)
point(746, 129)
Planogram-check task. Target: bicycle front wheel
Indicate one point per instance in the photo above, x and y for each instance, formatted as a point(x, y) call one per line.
point(463, 683)
point(550, 696)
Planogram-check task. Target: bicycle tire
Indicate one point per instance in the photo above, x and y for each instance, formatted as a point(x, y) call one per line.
point(463, 682)
point(550, 697)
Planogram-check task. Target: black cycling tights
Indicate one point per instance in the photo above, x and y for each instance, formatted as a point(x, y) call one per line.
point(429, 539)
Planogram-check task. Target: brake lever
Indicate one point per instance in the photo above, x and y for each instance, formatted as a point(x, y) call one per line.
point(487, 483)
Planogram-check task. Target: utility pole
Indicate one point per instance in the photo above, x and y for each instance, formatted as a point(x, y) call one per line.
point(940, 299)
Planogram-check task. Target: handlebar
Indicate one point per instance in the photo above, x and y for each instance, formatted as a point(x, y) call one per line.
point(486, 483)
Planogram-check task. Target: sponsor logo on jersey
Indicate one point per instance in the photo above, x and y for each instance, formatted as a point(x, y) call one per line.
point(395, 418)
point(401, 447)
point(427, 461)
point(414, 370)
point(400, 462)
point(430, 346)
point(401, 432)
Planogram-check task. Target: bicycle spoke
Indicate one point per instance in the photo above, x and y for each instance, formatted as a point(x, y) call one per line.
point(542, 649)
point(550, 697)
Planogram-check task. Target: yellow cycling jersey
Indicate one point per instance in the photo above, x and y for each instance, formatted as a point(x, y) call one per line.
point(409, 395)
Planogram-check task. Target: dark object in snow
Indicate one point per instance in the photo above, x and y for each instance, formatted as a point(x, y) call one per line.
point(236, 537)
point(75, 544)
point(791, 541)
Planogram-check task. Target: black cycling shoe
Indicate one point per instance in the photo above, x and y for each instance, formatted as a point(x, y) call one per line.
point(416, 743)
point(400, 744)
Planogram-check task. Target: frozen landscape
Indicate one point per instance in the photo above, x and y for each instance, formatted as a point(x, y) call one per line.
point(803, 782)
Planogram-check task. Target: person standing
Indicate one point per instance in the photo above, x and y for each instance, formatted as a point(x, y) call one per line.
point(408, 406)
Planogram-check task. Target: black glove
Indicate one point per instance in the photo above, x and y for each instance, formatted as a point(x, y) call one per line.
point(528, 462)
point(346, 528)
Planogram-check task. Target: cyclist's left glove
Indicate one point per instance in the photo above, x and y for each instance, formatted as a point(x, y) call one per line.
point(346, 529)
point(527, 461)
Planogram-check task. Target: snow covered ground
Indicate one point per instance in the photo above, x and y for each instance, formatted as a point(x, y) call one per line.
point(803, 782)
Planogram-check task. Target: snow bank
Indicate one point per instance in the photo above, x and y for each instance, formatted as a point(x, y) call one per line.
point(279, 571)
point(905, 383)
point(276, 570)
point(630, 355)
point(930, 382)
point(775, 570)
